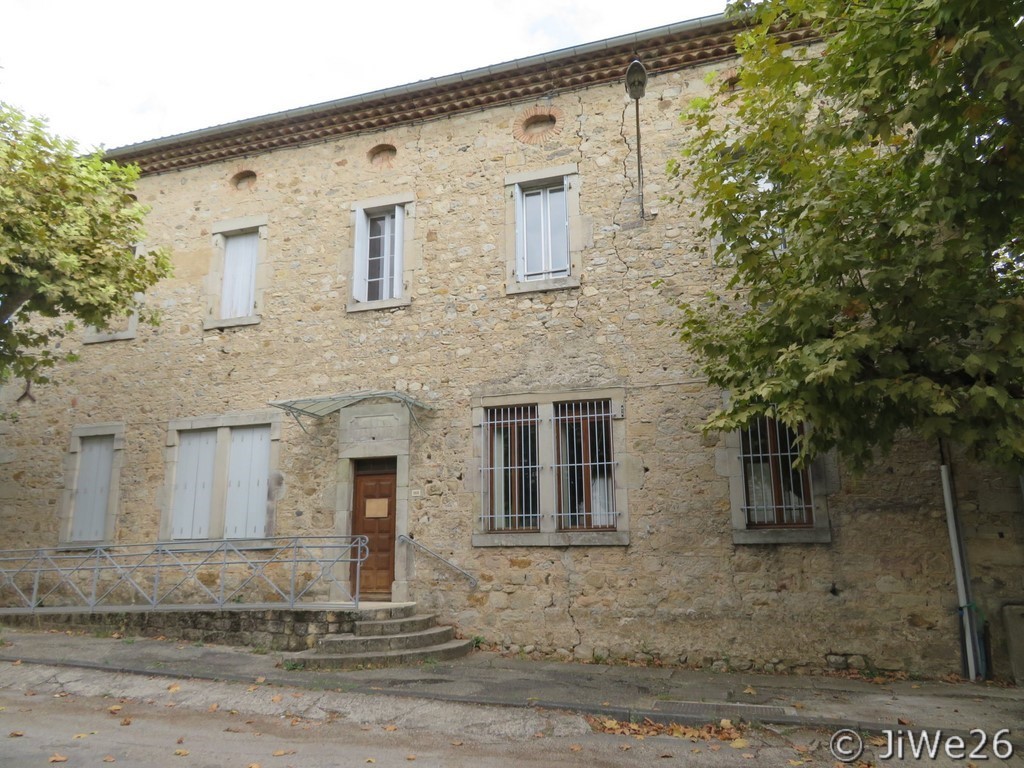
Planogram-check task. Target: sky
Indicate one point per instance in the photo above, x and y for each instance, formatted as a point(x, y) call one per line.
point(108, 73)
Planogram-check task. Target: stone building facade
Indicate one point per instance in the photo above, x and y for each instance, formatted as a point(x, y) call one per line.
point(452, 289)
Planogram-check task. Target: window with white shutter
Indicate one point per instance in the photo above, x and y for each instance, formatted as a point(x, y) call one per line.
point(88, 507)
point(222, 476)
point(92, 496)
point(238, 290)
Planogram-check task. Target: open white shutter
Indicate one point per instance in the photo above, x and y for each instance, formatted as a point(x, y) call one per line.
point(248, 472)
point(360, 253)
point(397, 283)
point(520, 235)
point(193, 484)
point(92, 496)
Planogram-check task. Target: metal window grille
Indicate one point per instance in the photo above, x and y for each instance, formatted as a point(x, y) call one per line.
point(775, 492)
point(511, 469)
point(584, 465)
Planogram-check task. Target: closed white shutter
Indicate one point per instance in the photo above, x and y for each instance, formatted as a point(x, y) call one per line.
point(238, 292)
point(92, 496)
point(248, 473)
point(193, 484)
point(360, 254)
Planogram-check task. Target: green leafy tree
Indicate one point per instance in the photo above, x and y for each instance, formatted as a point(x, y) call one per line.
point(866, 199)
point(68, 227)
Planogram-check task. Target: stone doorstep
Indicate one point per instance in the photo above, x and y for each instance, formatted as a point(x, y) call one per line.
point(316, 660)
point(397, 626)
point(355, 643)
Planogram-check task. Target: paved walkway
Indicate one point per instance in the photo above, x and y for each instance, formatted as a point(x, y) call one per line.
point(662, 694)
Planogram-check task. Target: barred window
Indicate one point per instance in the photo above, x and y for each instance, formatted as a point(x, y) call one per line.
point(549, 461)
point(511, 490)
point(776, 494)
point(583, 464)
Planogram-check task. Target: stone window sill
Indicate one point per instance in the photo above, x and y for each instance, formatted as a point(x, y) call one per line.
point(558, 539)
point(211, 324)
point(782, 536)
point(364, 306)
point(551, 284)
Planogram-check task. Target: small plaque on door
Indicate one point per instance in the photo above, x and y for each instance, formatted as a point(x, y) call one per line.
point(376, 507)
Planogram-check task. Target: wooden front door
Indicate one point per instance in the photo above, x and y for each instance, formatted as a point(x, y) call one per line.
point(373, 516)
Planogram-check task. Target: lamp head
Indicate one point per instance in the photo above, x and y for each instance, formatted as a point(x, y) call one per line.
point(636, 79)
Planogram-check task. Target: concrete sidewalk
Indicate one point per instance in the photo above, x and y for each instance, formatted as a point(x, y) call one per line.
point(625, 693)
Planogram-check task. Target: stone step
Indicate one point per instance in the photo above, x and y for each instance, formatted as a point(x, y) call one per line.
point(351, 643)
point(370, 612)
point(452, 649)
point(399, 626)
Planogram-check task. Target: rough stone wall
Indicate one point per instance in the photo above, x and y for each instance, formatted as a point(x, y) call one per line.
point(880, 595)
point(267, 630)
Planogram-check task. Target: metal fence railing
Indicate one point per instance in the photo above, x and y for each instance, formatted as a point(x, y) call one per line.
point(296, 571)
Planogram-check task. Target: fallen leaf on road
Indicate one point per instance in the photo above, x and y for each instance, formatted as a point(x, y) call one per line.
point(750, 690)
point(58, 758)
point(109, 759)
point(61, 695)
point(410, 758)
point(114, 709)
point(181, 753)
point(276, 698)
point(739, 744)
point(903, 721)
point(715, 747)
point(456, 743)
point(80, 736)
point(575, 747)
point(16, 663)
point(627, 747)
point(877, 741)
point(15, 734)
point(261, 679)
point(126, 721)
point(370, 760)
point(253, 765)
point(252, 688)
point(181, 740)
point(667, 754)
point(747, 756)
point(282, 752)
point(173, 687)
point(390, 727)
point(213, 708)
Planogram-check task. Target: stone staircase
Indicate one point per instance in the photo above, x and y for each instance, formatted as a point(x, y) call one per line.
point(386, 637)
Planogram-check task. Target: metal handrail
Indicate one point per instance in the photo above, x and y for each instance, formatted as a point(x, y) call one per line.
point(214, 574)
point(409, 540)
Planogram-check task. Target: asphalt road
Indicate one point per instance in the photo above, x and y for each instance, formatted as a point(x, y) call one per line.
point(96, 718)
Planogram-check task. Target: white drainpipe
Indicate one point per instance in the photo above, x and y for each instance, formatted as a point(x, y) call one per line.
point(963, 590)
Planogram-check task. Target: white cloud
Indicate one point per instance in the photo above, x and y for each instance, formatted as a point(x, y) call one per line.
point(115, 72)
